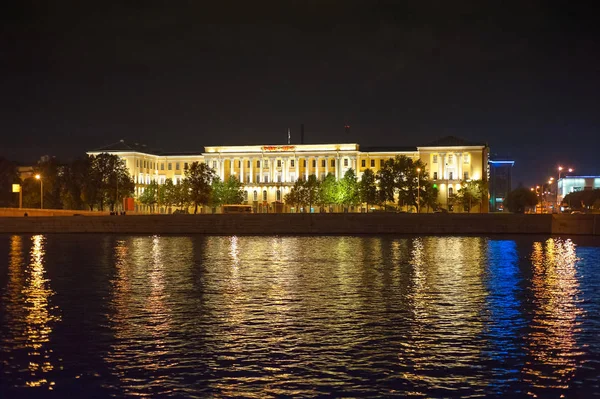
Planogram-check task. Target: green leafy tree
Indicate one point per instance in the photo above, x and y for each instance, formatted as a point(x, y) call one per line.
point(387, 184)
point(181, 194)
point(168, 194)
point(199, 176)
point(367, 188)
point(518, 200)
point(294, 197)
point(150, 195)
point(469, 195)
point(311, 191)
point(348, 193)
point(50, 172)
point(429, 195)
point(232, 191)
point(328, 189)
point(74, 178)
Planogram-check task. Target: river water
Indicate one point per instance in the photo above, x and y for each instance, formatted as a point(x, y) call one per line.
point(340, 316)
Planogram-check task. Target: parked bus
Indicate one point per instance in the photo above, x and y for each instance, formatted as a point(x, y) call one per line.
point(237, 208)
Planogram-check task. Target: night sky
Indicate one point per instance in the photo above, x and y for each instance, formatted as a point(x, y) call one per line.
point(523, 77)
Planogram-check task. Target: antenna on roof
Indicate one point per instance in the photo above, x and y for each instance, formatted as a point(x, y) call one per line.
point(289, 136)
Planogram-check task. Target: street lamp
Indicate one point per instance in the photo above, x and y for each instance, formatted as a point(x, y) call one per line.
point(39, 177)
point(418, 190)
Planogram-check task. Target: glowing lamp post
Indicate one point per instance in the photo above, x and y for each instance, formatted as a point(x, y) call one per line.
point(39, 177)
point(418, 190)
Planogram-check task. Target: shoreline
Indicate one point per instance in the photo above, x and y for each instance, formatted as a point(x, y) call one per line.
point(309, 224)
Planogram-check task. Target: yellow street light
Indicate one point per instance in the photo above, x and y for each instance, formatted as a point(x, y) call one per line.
point(39, 177)
point(418, 190)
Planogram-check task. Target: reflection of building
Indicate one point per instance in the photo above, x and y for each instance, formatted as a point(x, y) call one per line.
point(500, 183)
point(571, 184)
point(269, 171)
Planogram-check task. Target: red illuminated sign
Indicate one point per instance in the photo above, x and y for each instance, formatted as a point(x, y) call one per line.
point(279, 148)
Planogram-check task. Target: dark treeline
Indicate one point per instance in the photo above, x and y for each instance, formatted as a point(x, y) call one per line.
point(92, 183)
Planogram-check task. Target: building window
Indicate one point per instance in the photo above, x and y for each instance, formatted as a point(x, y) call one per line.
point(292, 163)
point(314, 163)
point(450, 175)
point(279, 177)
point(279, 163)
point(381, 163)
point(278, 195)
point(466, 175)
point(434, 175)
point(170, 166)
point(323, 162)
point(248, 163)
point(450, 191)
point(305, 163)
point(162, 166)
point(466, 158)
point(214, 165)
point(239, 164)
point(264, 195)
point(258, 164)
point(372, 163)
point(258, 178)
point(363, 163)
point(345, 161)
point(255, 196)
point(176, 165)
point(185, 166)
point(451, 158)
point(435, 159)
point(266, 179)
point(245, 195)
point(137, 163)
point(333, 163)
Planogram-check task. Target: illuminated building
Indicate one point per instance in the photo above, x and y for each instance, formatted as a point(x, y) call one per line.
point(571, 184)
point(269, 171)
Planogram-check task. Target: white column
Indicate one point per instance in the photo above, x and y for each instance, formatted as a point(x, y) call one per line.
point(251, 170)
point(286, 168)
point(459, 166)
point(317, 168)
point(326, 166)
point(221, 170)
point(354, 165)
point(337, 168)
point(231, 167)
point(306, 168)
point(242, 170)
point(443, 166)
point(273, 170)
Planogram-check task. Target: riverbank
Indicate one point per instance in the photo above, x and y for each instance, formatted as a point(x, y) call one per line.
point(330, 223)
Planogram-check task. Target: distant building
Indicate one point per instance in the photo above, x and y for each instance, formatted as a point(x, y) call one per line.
point(268, 172)
point(571, 184)
point(500, 183)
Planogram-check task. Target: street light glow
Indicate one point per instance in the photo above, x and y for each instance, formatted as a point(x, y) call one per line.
point(38, 176)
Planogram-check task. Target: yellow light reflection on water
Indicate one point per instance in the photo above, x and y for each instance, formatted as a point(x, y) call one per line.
point(31, 312)
point(551, 345)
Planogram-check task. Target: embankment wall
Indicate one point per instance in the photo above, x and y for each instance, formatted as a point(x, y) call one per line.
point(334, 223)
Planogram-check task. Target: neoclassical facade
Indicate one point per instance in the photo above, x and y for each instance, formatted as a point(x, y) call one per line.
point(269, 171)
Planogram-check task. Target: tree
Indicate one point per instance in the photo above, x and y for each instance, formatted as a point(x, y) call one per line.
point(199, 176)
point(8, 177)
point(469, 194)
point(109, 174)
point(150, 195)
point(294, 197)
point(367, 188)
point(168, 194)
point(429, 195)
point(387, 185)
point(328, 189)
point(583, 199)
point(311, 191)
point(348, 194)
point(232, 191)
point(519, 199)
point(181, 194)
point(74, 178)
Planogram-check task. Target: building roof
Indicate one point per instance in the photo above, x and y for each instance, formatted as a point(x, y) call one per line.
point(122, 146)
point(453, 141)
point(388, 149)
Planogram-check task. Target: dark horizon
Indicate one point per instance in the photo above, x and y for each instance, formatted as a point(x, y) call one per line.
point(523, 78)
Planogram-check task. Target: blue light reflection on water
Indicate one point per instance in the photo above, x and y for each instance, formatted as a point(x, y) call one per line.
point(505, 318)
point(297, 316)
